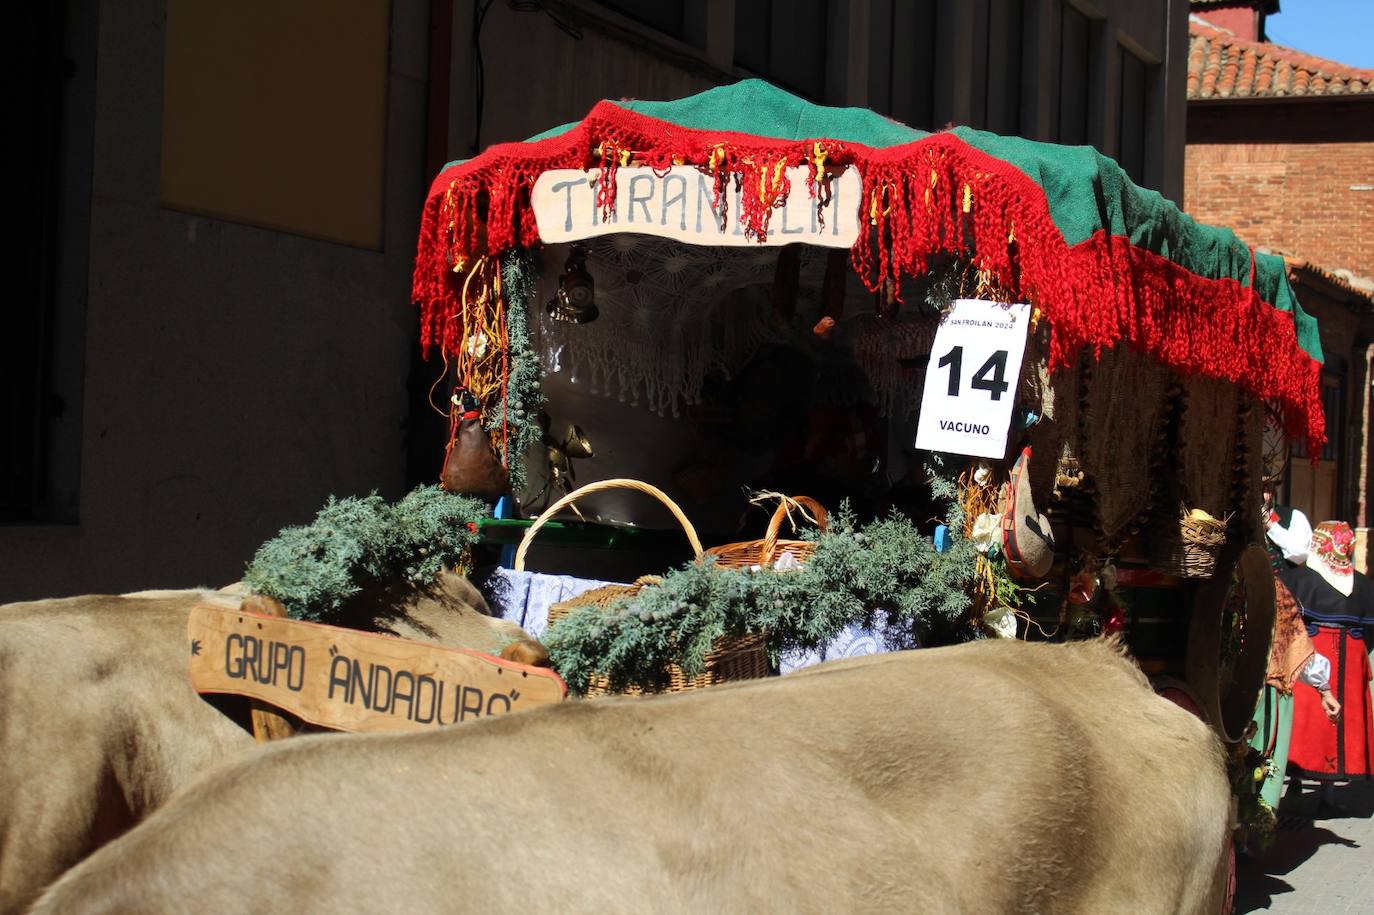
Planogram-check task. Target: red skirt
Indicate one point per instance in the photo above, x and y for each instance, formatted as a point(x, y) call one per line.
point(1319, 749)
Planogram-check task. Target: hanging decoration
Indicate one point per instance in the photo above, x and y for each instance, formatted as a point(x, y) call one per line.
point(480, 371)
point(470, 467)
point(1126, 401)
point(495, 378)
point(558, 473)
point(575, 301)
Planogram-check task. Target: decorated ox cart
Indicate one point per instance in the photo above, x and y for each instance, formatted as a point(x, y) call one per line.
point(1033, 396)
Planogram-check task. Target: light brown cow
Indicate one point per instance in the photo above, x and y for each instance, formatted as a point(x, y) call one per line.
point(99, 726)
point(992, 777)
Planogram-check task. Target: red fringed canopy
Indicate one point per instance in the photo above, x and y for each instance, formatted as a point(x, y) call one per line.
point(1105, 262)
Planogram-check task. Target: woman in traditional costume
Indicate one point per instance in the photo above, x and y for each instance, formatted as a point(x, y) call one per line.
point(1292, 656)
point(1338, 604)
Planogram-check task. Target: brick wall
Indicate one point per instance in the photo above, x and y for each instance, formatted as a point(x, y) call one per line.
point(1280, 175)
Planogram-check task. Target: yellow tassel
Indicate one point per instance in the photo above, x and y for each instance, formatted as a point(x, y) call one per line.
point(625, 155)
point(1011, 235)
point(717, 156)
point(875, 208)
point(819, 155)
point(768, 194)
point(679, 160)
point(968, 198)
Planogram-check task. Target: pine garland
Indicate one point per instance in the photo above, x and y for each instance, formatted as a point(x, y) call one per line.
point(353, 543)
point(524, 393)
point(856, 572)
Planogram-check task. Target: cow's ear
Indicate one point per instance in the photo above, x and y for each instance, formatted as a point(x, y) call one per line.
point(263, 605)
point(527, 651)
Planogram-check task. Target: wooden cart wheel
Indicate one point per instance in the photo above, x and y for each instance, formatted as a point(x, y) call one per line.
point(1228, 639)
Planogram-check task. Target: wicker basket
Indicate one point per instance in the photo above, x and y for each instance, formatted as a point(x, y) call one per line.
point(763, 553)
point(1189, 546)
point(741, 658)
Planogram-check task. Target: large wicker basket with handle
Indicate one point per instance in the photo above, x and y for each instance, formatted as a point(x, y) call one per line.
point(740, 658)
point(765, 553)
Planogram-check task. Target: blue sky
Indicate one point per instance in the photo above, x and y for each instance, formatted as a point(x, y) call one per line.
point(1339, 30)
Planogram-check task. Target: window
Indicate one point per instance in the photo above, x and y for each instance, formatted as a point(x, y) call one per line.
point(784, 42)
point(1076, 52)
point(274, 115)
point(667, 16)
point(1317, 490)
point(1132, 115)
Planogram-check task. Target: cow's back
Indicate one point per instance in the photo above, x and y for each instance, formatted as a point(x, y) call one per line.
point(98, 726)
point(979, 778)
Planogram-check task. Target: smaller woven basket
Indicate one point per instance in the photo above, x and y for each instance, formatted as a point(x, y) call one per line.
point(764, 553)
point(1189, 546)
point(741, 658)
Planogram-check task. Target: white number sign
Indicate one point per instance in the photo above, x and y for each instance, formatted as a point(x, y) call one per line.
point(680, 203)
point(975, 365)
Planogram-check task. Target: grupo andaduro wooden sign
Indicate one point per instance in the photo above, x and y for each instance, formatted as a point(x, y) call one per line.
point(679, 203)
point(356, 681)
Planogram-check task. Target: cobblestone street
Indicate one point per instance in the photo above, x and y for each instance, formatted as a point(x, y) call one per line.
point(1317, 866)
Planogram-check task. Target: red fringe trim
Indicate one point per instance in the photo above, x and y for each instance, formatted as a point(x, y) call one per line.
point(935, 196)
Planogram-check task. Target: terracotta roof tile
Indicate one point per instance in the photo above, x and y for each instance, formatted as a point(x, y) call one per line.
point(1344, 279)
point(1220, 66)
point(1270, 6)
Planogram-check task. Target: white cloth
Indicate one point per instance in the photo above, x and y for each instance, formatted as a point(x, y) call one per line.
point(1295, 541)
point(1316, 673)
point(1001, 621)
point(855, 641)
point(987, 530)
point(1342, 580)
point(524, 598)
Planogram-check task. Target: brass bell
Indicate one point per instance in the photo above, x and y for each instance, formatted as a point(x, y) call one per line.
point(576, 444)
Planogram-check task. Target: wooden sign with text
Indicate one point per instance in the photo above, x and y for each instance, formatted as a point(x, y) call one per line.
point(356, 681)
point(680, 203)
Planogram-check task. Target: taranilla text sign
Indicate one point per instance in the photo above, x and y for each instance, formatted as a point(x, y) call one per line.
point(970, 387)
point(680, 203)
point(356, 681)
